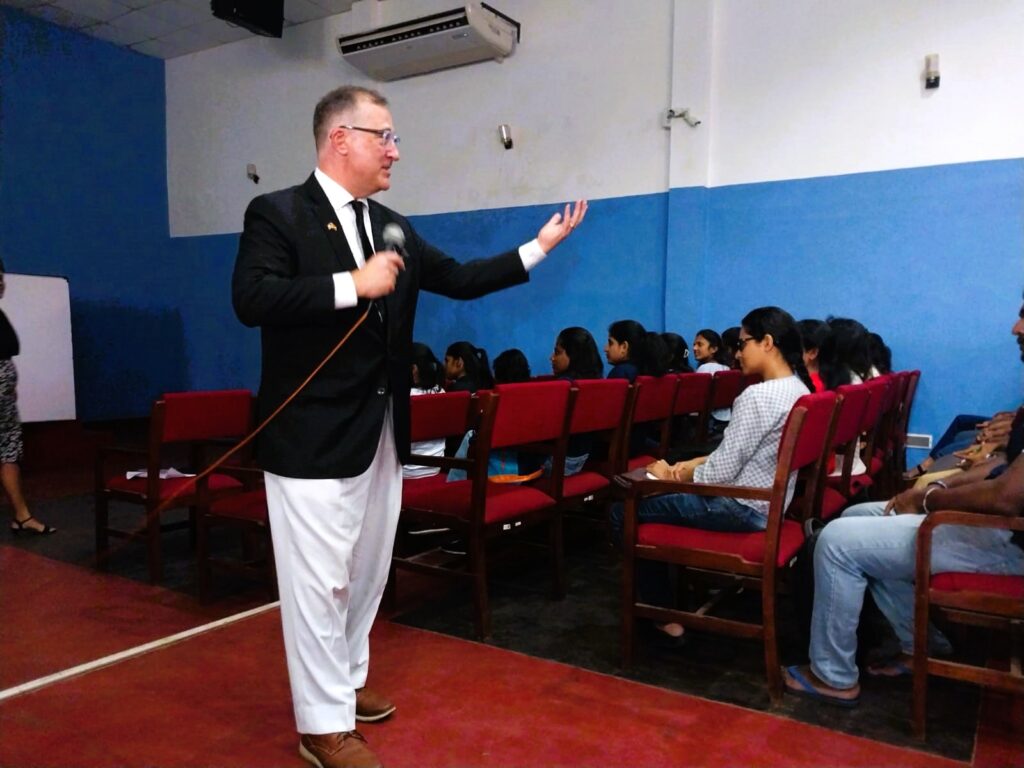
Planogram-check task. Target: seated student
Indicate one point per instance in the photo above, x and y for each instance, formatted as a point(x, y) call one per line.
point(625, 339)
point(679, 353)
point(879, 354)
point(712, 356)
point(769, 345)
point(426, 380)
point(969, 437)
point(844, 358)
point(510, 367)
point(467, 370)
point(812, 336)
point(575, 355)
point(654, 358)
point(730, 336)
point(873, 545)
point(466, 367)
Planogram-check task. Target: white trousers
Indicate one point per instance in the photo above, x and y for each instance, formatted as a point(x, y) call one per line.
point(332, 543)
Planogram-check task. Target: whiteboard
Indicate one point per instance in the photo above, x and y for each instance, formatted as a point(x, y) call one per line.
point(39, 308)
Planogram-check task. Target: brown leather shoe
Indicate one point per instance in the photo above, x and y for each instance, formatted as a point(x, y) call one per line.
point(337, 750)
point(371, 706)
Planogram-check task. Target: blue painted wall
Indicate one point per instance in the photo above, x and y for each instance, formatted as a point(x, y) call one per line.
point(931, 258)
point(83, 193)
point(612, 268)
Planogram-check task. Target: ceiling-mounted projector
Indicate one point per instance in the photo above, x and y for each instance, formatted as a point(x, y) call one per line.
point(476, 32)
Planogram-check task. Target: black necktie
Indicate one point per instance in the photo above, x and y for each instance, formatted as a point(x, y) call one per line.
point(364, 241)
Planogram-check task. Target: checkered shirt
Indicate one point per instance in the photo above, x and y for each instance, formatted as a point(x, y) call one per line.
point(748, 451)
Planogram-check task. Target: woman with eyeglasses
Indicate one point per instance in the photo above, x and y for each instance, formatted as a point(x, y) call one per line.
point(769, 346)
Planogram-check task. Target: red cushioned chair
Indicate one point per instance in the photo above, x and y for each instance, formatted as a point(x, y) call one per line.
point(725, 388)
point(245, 513)
point(871, 434)
point(437, 417)
point(193, 418)
point(985, 600)
point(652, 411)
point(599, 410)
point(897, 464)
point(534, 416)
point(693, 404)
point(748, 559)
point(853, 403)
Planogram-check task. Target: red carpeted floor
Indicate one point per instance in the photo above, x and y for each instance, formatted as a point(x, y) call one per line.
point(55, 615)
point(221, 698)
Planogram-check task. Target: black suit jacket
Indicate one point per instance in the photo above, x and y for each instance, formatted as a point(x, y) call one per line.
point(291, 245)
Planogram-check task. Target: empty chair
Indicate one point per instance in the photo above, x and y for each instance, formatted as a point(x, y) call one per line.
point(192, 418)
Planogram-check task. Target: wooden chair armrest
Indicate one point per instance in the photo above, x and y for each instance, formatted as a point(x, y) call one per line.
point(444, 462)
point(637, 484)
point(972, 519)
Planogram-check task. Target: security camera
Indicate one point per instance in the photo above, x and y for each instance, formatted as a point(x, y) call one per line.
point(250, 172)
point(505, 132)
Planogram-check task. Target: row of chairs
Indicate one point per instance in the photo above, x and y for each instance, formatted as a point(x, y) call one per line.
point(876, 413)
point(539, 416)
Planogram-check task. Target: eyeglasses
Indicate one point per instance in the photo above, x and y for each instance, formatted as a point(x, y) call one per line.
point(741, 343)
point(387, 136)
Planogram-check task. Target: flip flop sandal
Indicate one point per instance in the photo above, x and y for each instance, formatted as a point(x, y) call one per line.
point(895, 668)
point(808, 691)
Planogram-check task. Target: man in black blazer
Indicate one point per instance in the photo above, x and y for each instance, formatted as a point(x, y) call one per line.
point(306, 273)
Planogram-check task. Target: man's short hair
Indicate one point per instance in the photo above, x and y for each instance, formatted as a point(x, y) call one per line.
point(339, 100)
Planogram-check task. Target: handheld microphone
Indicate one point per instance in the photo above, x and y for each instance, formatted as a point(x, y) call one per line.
point(394, 239)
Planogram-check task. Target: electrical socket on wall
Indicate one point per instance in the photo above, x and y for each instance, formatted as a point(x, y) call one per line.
point(919, 441)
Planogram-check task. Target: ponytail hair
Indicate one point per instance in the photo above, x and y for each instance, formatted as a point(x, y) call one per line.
point(429, 370)
point(474, 362)
point(678, 352)
point(780, 325)
point(581, 349)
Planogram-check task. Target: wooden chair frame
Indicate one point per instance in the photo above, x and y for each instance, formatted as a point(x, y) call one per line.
point(977, 608)
point(765, 574)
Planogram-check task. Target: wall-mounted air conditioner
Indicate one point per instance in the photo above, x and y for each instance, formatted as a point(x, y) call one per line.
point(476, 32)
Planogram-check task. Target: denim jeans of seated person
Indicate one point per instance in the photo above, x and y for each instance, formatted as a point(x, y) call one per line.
point(865, 548)
point(709, 513)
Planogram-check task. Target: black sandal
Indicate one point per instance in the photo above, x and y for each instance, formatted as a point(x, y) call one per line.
point(18, 526)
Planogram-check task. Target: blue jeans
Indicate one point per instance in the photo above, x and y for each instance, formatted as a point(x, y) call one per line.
point(960, 434)
point(709, 513)
point(865, 549)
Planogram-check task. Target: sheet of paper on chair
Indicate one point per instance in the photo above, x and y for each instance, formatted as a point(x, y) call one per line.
point(165, 474)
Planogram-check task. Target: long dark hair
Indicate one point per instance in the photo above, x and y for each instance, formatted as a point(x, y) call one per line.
point(511, 367)
point(474, 362)
point(844, 352)
point(679, 353)
point(731, 340)
point(780, 325)
point(428, 369)
point(879, 353)
point(721, 354)
point(581, 349)
point(631, 332)
point(654, 358)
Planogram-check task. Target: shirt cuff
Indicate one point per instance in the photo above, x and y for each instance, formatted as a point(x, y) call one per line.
point(344, 290)
point(532, 254)
point(698, 474)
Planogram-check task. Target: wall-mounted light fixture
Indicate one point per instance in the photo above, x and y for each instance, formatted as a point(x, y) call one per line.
point(931, 71)
point(250, 172)
point(672, 113)
point(505, 134)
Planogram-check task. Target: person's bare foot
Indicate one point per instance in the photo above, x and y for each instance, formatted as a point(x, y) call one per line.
point(29, 524)
point(901, 666)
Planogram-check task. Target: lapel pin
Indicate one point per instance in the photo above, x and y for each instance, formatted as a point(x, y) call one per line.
point(331, 226)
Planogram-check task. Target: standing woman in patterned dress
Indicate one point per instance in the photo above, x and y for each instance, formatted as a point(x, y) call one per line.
point(11, 447)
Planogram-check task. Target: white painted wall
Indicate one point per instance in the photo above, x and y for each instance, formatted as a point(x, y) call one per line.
point(807, 88)
point(785, 89)
point(583, 94)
